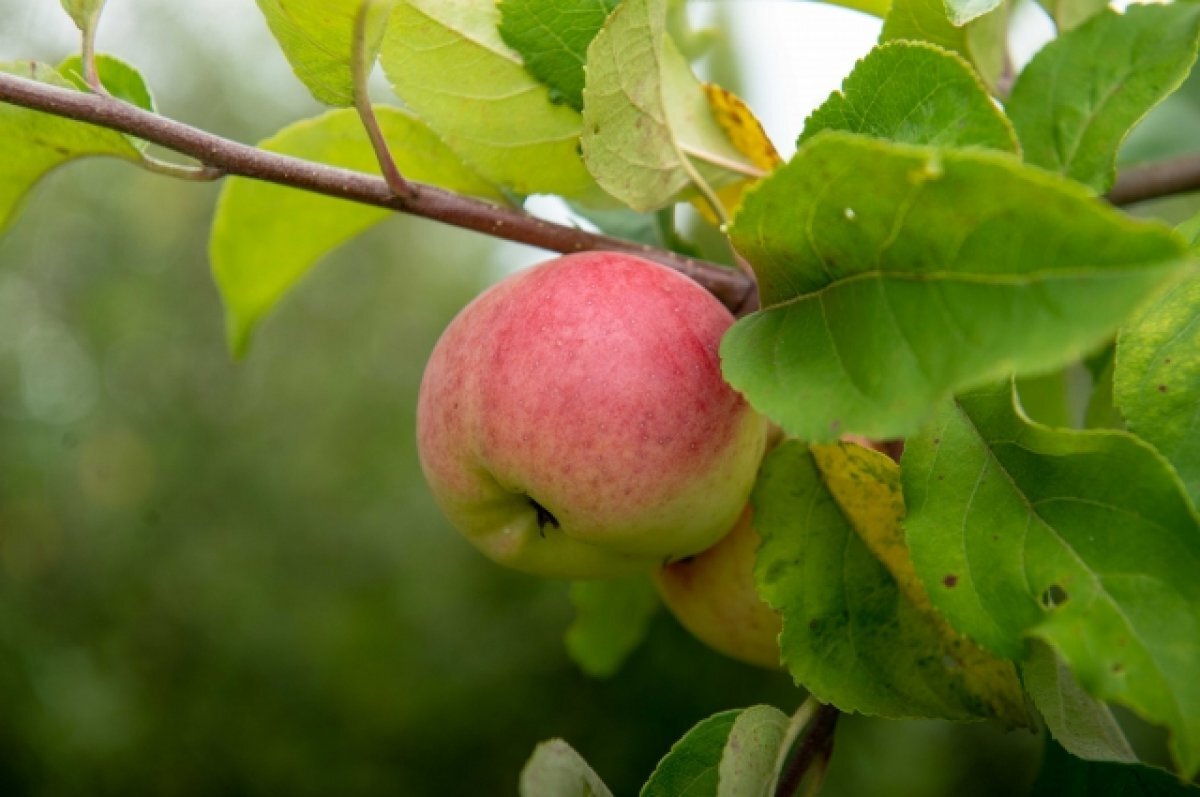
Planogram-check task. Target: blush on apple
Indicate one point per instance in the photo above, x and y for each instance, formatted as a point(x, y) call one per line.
point(573, 422)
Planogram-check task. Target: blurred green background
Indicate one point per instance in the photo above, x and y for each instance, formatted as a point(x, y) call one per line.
point(223, 578)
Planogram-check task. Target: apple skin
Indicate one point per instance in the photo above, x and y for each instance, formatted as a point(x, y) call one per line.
point(573, 422)
point(713, 596)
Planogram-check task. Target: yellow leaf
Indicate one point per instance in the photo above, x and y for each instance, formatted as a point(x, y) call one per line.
point(747, 135)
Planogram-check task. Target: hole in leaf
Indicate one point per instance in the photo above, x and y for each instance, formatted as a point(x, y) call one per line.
point(1054, 596)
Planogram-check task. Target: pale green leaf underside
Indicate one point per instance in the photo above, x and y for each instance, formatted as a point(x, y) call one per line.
point(849, 636)
point(1081, 94)
point(611, 619)
point(691, 767)
point(751, 752)
point(266, 237)
point(1083, 539)
point(1079, 722)
point(646, 120)
point(446, 60)
point(915, 93)
point(960, 12)
point(318, 39)
point(83, 12)
point(1157, 378)
point(894, 276)
point(552, 37)
point(981, 41)
point(556, 770)
point(36, 143)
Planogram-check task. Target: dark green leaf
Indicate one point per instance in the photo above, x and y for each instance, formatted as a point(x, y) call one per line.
point(691, 768)
point(853, 634)
point(893, 276)
point(611, 618)
point(1157, 378)
point(915, 93)
point(1084, 539)
point(1064, 775)
point(1081, 94)
point(553, 37)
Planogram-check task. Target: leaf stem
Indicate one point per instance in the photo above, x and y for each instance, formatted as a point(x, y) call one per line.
point(362, 66)
point(809, 756)
point(732, 288)
point(724, 163)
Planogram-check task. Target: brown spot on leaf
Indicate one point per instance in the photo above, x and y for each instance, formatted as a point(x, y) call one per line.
point(951, 581)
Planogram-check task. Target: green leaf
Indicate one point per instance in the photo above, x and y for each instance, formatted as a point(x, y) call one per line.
point(447, 62)
point(1084, 539)
point(85, 13)
point(122, 80)
point(36, 143)
point(960, 12)
point(266, 237)
point(1081, 94)
point(751, 752)
point(1078, 721)
point(1064, 775)
point(893, 276)
point(552, 38)
point(648, 129)
point(318, 39)
point(1102, 410)
point(981, 42)
point(691, 768)
point(1070, 14)
point(1045, 398)
point(1156, 379)
point(858, 628)
point(556, 770)
point(611, 619)
point(915, 93)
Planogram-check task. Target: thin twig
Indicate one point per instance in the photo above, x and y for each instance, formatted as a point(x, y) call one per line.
point(728, 285)
point(1153, 180)
point(811, 752)
point(362, 103)
point(87, 55)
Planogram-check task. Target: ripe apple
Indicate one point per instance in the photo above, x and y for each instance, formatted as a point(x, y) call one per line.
point(573, 422)
point(713, 596)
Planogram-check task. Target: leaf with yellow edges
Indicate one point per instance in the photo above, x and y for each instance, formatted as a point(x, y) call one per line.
point(747, 135)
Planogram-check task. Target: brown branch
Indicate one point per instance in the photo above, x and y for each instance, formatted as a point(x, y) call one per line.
point(731, 287)
point(1163, 178)
point(806, 763)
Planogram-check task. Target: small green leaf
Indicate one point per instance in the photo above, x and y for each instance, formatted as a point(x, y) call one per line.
point(36, 143)
point(691, 768)
point(1070, 14)
point(748, 760)
point(915, 93)
point(266, 237)
point(1064, 775)
point(982, 41)
point(556, 770)
point(1084, 539)
point(858, 629)
point(611, 619)
point(960, 12)
point(446, 60)
point(893, 276)
point(1156, 379)
point(85, 13)
point(1045, 398)
point(1078, 721)
point(318, 39)
point(648, 129)
point(552, 38)
point(1081, 94)
point(122, 80)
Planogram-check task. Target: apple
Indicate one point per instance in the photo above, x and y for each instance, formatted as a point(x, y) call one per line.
point(572, 421)
point(713, 596)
